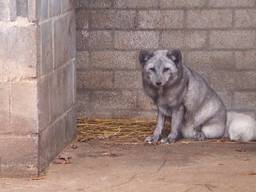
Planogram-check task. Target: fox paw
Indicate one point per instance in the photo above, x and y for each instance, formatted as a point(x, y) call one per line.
point(152, 139)
point(200, 136)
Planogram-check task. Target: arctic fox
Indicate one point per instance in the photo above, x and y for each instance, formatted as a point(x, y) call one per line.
point(185, 98)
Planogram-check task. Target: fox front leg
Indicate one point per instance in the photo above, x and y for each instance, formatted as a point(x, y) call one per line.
point(158, 130)
point(176, 124)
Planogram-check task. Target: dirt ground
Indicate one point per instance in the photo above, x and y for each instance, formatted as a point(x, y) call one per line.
point(180, 167)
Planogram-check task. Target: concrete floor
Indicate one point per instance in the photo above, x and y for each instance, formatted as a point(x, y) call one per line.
point(180, 167)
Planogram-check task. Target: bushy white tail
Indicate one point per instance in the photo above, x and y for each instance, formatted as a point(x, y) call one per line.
point(241, 127)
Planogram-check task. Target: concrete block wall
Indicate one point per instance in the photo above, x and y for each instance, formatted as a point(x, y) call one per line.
point(37, 85)
point(56, 77)
point(217, 38)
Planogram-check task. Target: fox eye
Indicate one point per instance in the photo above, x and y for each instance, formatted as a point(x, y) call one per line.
point(152, 69)
point(166, 69)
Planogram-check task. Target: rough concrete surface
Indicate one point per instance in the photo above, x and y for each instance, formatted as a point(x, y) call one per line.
point(181, 167)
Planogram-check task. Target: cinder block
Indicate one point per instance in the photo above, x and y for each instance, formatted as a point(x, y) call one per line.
point(82, 19)
point(64, 28)
point(222, 80)
point(244, 100)
point(144, 102)
point(44, 111)
point(46, 65)
point(114, 59)
point(67, 5)
point(128, 80)
point(24, 96)
point(8, 10)
point(245, 80)
point(5, 109)
point(100, 3)
point(19, 156)
point(201, 19)
point(125, 19)
point(232, 39)
point(113, 100)
point(245, 18)
point(54, 7)
point(170, 19)
point(182, 3)
point(99, 40)
point(212, 59)
point(82, 59)
point(246, 59)
point(18, 50)
point(136, 4)
point(44, 10)
point(83, 103)
point(22, 7)
point(95, 79)
point(136, 39)
point(102, 19)
point(184, 39)
point(62, 85)
point(231, 3)
point(47, 147)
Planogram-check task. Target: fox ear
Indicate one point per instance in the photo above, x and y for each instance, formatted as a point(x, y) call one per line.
point(144, 56)
point(175, 55)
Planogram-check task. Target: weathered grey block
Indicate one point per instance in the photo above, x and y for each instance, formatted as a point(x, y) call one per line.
point(54, 7)
point(64, 28)
point(222, 80)
point(24, 96)
point(44, 9)
point(83, 103)
point(245, 80)
point(18, 53)
point(102, 19)
point(5, 108)
point(128, 80)
point(82, 60)
point(44, 112)
point(170, 19)
point(232, 39)
point(94, 40)
point(209, 19)
point(114, 59)
point(113, 100)
point(95, 79)
point(62, 85)
point(212, 59)
point(46, 48)
point(182, 3)
point(67, 5)
point(136, 39)
point(136, 3)
point(184, 39)
point(125, 19)
point(231, 3)
point(244, 100)
point(82, 19)
point(245, 59)
point(8, 10)
point(245, 18)
point(19, 156)
point(22, 8)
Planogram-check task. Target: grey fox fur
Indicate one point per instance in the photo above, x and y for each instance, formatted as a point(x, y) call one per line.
point(181, 96)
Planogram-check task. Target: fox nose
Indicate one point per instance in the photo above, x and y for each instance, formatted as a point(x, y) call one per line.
point(158, 83)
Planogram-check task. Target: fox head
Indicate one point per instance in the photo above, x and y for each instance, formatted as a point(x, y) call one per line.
point(162, 67)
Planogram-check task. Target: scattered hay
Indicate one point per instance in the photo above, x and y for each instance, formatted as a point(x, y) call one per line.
point(116, 130)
